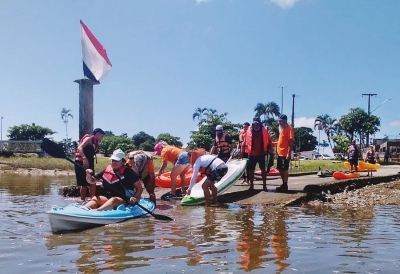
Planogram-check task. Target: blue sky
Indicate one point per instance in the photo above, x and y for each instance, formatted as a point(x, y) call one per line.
point(170, 57)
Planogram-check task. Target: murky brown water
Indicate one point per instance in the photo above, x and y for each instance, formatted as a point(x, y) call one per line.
point(199, 240)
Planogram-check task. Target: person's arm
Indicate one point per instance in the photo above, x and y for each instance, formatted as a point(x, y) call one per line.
point(196, 169)
point(138, 191)
point(163, 166)
point(85, 142)
point(90, 178)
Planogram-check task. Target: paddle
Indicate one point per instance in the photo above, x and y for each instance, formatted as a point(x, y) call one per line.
point(157, 216)
point(56, 151)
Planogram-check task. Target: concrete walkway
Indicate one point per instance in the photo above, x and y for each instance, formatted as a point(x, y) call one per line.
point(302, 187)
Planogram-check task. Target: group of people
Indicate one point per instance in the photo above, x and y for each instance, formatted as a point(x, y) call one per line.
point(123, 177)
point(354, 154)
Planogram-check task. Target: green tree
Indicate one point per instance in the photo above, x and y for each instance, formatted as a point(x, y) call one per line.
point(357, 124)
point(304, 139)
point(111, 143)
point(171, 140)
point(268, 111)
point(26, 132)
point(65, 114)
point(328, 125)
point(143, 137)
point(108, 133)
point(205, 135)
point(204, 114)
point(341, 143)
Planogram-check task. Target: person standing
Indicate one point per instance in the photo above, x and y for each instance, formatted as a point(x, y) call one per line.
point(370, 157)
point(386, 156)
point(223, 144)
point(179, 158)
point(84, 156)
point(353, 154)
point(242, 134)
point(284, 151)
point(257, 144)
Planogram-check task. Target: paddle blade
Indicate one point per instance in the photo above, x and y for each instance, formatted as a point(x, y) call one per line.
point(53, 149)
point(162, 217)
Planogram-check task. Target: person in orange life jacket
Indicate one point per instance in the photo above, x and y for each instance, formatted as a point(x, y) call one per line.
point(179, 158)
point(223, 144)
point(143, 164)
point(257, 143)
point(215, 169)
point(245, 155)
point(284, 151)
point(128, 187)
point(84, 156)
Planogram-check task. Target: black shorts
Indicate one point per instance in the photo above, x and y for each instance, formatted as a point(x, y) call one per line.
point(282, 163)
point(80, 174)
point(254, 160)
point(353, 162)
point(217, 174)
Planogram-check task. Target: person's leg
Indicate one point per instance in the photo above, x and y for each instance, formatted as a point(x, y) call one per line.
point(92, 190)
point(112, 203)
point(214, 193)
point(176, 170)
point(96, 201)
point(283, 167)
point(183, 175)
point(261, 164)
point(150, 185)
point(206, 185)
point(251, 164)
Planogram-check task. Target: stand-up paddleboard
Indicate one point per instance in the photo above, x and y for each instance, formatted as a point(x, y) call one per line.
point(236, 168)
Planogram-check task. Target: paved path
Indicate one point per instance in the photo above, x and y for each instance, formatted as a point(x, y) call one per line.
point(240, 194)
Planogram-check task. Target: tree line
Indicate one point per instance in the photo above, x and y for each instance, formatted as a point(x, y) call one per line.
point(355, 125)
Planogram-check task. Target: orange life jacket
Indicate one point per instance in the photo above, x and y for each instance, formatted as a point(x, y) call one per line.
point(95, 144)
point(222, 144)
point(109, 174)
point(249, 140)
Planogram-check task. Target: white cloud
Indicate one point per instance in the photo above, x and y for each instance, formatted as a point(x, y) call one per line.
point(202, 1)
point(284, 4)
point(304, 122)
point(395, 124)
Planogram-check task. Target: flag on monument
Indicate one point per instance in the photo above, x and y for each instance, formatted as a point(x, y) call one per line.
point(96, 64)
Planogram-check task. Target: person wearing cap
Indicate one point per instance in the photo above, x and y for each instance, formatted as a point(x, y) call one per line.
point(179, 158)
point(257, 143)
point(242, 134)
point(123, 184)
point(84, 156)
point(284, 151)
point(223, 144)
point(142, 163)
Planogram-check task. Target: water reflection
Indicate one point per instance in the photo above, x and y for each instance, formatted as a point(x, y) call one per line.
point(200, 240)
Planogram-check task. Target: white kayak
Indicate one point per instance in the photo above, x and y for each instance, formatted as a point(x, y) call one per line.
point(236, 168)
point(78, 217)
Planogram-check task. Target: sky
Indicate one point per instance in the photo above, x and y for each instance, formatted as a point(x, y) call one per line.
point(171, 57)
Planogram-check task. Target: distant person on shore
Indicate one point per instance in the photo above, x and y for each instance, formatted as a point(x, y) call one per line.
point(257, 143)
point(119, 179)
point(223, 144)
point(370, 157)
point(84, 156)
point(142, 163)
point(215, 169)
point(179, 158)
point(386, 156)
point(242, 134)
point(284, 150)
point(353, 153)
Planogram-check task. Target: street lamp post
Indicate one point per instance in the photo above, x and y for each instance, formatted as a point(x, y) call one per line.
point(282, 99)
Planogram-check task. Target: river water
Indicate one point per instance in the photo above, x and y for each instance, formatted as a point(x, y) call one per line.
point(228, 239)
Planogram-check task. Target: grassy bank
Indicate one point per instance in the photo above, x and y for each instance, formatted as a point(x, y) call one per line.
point(62, 164)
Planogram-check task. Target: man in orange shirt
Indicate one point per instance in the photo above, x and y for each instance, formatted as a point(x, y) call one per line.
point(284, 151)
point(257, 144)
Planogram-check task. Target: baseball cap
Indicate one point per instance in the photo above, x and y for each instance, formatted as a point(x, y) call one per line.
point(157, 148)
point(219, 127)
point(257, 120)
point(282, 117)
point(117, 155)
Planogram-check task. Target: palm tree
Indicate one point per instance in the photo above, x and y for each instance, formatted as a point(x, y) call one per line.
point(328, 124)
point(268, 110)
point(203, 114)
point(65, 113)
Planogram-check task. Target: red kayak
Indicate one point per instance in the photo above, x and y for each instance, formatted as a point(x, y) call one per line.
point(164, 180)
point(272, 174)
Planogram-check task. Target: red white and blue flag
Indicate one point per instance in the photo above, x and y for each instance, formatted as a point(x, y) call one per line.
point(96, 64)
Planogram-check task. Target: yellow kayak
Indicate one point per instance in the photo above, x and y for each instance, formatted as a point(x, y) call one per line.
point(363, 166)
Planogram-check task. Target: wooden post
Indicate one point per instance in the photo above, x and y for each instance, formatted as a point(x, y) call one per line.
point(85, 106)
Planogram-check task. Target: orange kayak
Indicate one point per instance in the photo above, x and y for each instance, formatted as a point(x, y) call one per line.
point(164, 180)
point(363, 166)
point(339, 175)
point(273, 172)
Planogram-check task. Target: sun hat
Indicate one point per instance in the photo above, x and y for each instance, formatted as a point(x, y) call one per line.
point(219, 127)
point(158, 147)
point(117, 155)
